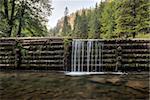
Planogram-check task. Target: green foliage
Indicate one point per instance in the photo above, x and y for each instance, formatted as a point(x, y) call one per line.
point(76, 30)
point(24, 17)
point(81, 25)
point(111, 19)
point(143, 17)
point(66, 42)
point(94, 24)
point(84, 25)
point(108, 20)
point(132, 18)
point(66, 26)
point(142, 35)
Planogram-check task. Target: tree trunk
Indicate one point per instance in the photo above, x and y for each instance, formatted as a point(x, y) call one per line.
point(6, 9)
point(20, 19)
point(134, 15)
point(11, 18)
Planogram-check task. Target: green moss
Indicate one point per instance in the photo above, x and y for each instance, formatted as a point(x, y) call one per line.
point(67, 42)
point(142, 35)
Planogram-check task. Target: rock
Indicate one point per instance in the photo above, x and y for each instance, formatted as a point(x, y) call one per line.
point(98, 80)
point(138, 85)
point(114, 80)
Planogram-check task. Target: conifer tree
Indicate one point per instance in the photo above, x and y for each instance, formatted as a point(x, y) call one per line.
point(127, 18)
point(76, 27)
point(66, 27)
point(84, 25)
point(143, 17)
point(90, 18)
point(100, 11)
point(108, 20)
point(96, 24)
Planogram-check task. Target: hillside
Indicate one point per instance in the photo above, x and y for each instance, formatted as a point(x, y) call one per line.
point(71, 18)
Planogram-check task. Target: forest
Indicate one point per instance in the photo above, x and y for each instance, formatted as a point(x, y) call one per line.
point(109, 19)
point(24, 18)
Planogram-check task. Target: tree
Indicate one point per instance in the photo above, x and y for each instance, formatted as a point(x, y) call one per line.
point(66, 27)
point(91, 23)
point(96, 24)
point(108, 20)
point(84, 25)
point(143, 17)
point(132, 17)
point(76, 27)
point(24, 17)
point(100, 11)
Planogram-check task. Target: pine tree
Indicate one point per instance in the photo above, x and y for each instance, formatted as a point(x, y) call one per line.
point(143, 17)
point(66, 27)
point(84, 25)
point(76, 27)
point(90, 17)
point(96, 24)
point(127, 18)
point(108, 20)
point(99, 14)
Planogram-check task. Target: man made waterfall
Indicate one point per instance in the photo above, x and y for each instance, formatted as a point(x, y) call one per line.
point(87, 57)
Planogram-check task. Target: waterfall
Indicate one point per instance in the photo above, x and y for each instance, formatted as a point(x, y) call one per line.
point(86, 57)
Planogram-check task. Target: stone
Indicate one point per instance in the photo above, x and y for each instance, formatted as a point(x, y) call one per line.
point(98, 80)
point(114, 80)
point(138, 85)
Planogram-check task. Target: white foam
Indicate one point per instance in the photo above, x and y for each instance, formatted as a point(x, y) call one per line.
point(92, 73)
point(76, 73)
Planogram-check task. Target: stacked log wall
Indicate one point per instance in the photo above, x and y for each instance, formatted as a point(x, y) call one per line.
point(50, 54)
point(35, 53)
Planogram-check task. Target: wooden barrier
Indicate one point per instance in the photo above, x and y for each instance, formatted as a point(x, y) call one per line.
point(133, 56)
point(35, 53)
point(53, 54)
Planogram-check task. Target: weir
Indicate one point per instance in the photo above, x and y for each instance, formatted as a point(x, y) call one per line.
point(75, 56)
point(86, 58)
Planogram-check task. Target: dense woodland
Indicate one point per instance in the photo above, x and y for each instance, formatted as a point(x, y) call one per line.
point(109, 19)
point(24, 17)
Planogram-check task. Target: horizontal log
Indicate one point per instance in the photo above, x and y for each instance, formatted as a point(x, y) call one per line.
point(135, 52)
point(39, 60)
point(7, 65)
point(136, 55)
point(42, 65)
point(6, 58)
point(46, 52)
point(135, 65)
point(42, 43)
point(98, 65)
point(43, 46)
point(43, 57)
point(7, 62)
point(135, 62)
point(44, 62)
point(6, 52)
point(7, 44)
point(7, 48)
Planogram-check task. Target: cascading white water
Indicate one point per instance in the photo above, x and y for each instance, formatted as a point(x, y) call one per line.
point(87, 57)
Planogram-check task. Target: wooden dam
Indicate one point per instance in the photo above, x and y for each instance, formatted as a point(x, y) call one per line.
point(55, 54)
